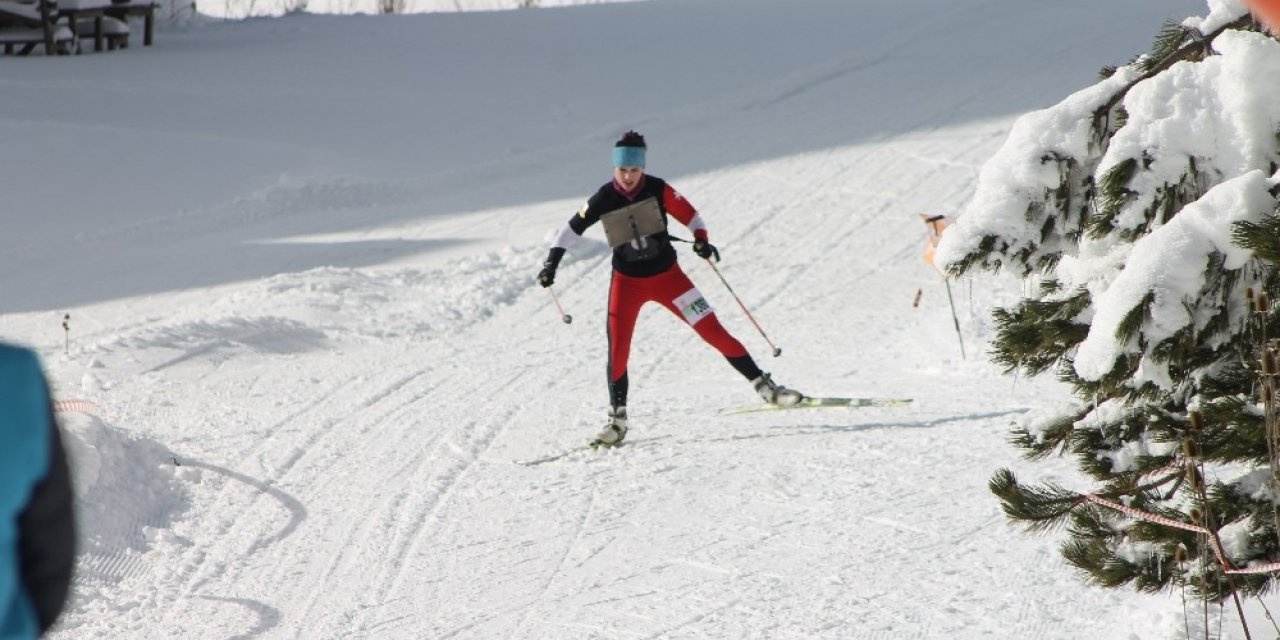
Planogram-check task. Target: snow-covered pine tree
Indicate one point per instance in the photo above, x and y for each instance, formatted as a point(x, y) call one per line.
point(1140, 211)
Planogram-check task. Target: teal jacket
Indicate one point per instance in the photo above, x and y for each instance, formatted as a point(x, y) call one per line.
point(36, 526)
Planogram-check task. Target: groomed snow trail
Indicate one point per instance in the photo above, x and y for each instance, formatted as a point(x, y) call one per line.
point(328, 451)
point(350, 474)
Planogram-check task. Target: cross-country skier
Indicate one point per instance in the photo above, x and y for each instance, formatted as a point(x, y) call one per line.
point(645, 270)
point(37, 527)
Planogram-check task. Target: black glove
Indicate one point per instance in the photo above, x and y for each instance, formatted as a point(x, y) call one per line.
point(706, 250)
point(547, 276)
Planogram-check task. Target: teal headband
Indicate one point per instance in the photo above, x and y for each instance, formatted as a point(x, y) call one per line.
point(628, 156)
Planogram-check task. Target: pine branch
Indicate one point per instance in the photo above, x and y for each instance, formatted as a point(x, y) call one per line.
point(1041, 508)
point(1052, 437)
point(1139, 315)
point(1098, 533)
point(1212, 364)
point(1199, 47)
point(1114, 192)
point(1147, 487)
point(1171, 37)
point(1037, 333)
point(977, 257)
point(1262, 237)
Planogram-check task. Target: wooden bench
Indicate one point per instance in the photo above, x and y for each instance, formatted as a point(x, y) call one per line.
point(26, 25)
point(144, 8)
point(108, 23)
point(92, 22)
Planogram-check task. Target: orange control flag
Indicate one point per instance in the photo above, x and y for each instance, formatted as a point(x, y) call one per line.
point(936, 225)
point(1267, 12)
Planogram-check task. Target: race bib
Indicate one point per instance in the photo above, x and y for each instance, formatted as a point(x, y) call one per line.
point(693, 306)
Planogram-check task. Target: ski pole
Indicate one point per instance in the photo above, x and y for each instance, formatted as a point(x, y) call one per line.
point(936, 224)
point(776, 351)
point(563, 316)
point(954, 319)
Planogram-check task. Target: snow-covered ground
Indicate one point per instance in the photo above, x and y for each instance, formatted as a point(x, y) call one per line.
point(298, 258)
point(243, 8)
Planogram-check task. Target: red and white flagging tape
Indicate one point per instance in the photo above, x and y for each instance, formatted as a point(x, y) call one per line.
point(1213, 540)
point(77, 406)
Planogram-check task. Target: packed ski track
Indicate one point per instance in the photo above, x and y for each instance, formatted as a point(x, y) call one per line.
point(379, 497)
point(312, 429)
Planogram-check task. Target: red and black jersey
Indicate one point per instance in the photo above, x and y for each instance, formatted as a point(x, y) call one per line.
point(658, 255)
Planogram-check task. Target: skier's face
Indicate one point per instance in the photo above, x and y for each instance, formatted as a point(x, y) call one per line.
point(628, 177)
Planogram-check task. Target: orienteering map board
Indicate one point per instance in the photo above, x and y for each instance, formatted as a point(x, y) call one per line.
point(633, 222)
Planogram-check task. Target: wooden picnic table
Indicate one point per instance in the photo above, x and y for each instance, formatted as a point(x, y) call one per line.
point(145, 9)
point(118, 10)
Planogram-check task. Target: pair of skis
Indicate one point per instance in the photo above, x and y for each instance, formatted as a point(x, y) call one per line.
point(594, 445)
point(806, 403)
point(822, 403)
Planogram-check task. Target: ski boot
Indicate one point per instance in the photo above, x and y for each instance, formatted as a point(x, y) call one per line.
point(774, 393)
point(616, 430)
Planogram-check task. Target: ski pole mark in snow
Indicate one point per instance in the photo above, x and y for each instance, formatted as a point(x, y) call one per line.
point(268, 617)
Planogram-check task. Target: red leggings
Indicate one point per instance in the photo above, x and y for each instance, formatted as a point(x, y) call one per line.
point(673, 290)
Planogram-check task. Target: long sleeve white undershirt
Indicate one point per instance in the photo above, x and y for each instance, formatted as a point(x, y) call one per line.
point(566, 238)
